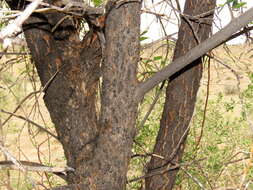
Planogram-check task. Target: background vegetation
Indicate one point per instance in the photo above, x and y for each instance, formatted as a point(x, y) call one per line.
point(219, 146)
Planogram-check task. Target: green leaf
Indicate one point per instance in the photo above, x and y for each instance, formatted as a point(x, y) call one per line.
point(230, 1)
point(156, 58)
point(148, 61)
point(97, 2)
point(238, 5)
point(142, 38)
point(235, 3)
point(144, 32)
point(251, 77)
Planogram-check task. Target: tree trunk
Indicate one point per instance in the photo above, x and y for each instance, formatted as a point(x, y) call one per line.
point(97, 141)
point(180, 95)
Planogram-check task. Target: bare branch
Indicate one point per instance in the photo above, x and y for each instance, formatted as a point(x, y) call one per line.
point(19, 106)
point(36, 167)
point(30, 121)
point(168, 37)
point(72, 7)
point(15, 27)
point(33, 166)
point(194, 179)
point(214, 41)
point(73, 187)
point(12, 159)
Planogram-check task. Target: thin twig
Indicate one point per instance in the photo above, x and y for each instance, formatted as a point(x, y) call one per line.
point(19, 106)
point(14, 53)
point(31, 122)
point(187, 20)
point(206, 102)
point(181, 140)
point(162, 171)
point(193, 178)
point(151, 106)
point(151, 44)
point(33, 166)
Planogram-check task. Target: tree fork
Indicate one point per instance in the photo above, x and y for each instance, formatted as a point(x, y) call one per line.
point(96, 144)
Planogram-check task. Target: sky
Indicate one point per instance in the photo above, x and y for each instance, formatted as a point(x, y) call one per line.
point(151, 24)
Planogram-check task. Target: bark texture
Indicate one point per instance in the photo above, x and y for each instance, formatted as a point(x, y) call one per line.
point(180, 95)
point(96, 141)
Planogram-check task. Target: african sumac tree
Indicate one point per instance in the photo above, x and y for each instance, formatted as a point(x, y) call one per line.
point(97, 132)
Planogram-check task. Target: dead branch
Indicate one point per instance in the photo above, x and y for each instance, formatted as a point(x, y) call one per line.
point(12, 159)
point(36, 167)
point(72, 7)
point(31, 122)
point(16, 26)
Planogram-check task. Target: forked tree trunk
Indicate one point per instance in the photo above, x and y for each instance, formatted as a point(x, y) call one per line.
point(180, 95)
point(96, 140)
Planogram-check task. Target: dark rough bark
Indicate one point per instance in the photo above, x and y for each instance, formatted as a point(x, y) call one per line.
point(180, 97)
point(96, 142)
point(119, 109)
point(71, 95)
point(108, 167)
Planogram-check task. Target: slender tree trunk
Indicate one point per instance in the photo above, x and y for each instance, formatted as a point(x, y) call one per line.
point(180, 95)
point(97, 141)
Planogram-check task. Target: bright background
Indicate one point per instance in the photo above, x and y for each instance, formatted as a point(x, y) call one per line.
point(151, 23)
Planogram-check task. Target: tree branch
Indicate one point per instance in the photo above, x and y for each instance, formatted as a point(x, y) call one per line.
point(83, 186)
point(220, 37)
point(31, 122)
point(167, 168)
point(36, 167)
point(16, 26)
point(72, 7)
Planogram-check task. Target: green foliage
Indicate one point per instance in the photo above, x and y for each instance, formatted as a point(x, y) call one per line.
point(145, 140)
point(158, 58)
point(248, 96)
point(97, 2)
point(142, 38)
point(238, 5)
point(221, 137)
point(225, 139)
point(234, 3)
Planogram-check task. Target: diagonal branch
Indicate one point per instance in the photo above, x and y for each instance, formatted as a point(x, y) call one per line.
point(36, 167)
point(73, 7)
point(212, 42)
point(15, 27)
point(12, 159)
point(31, 122)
